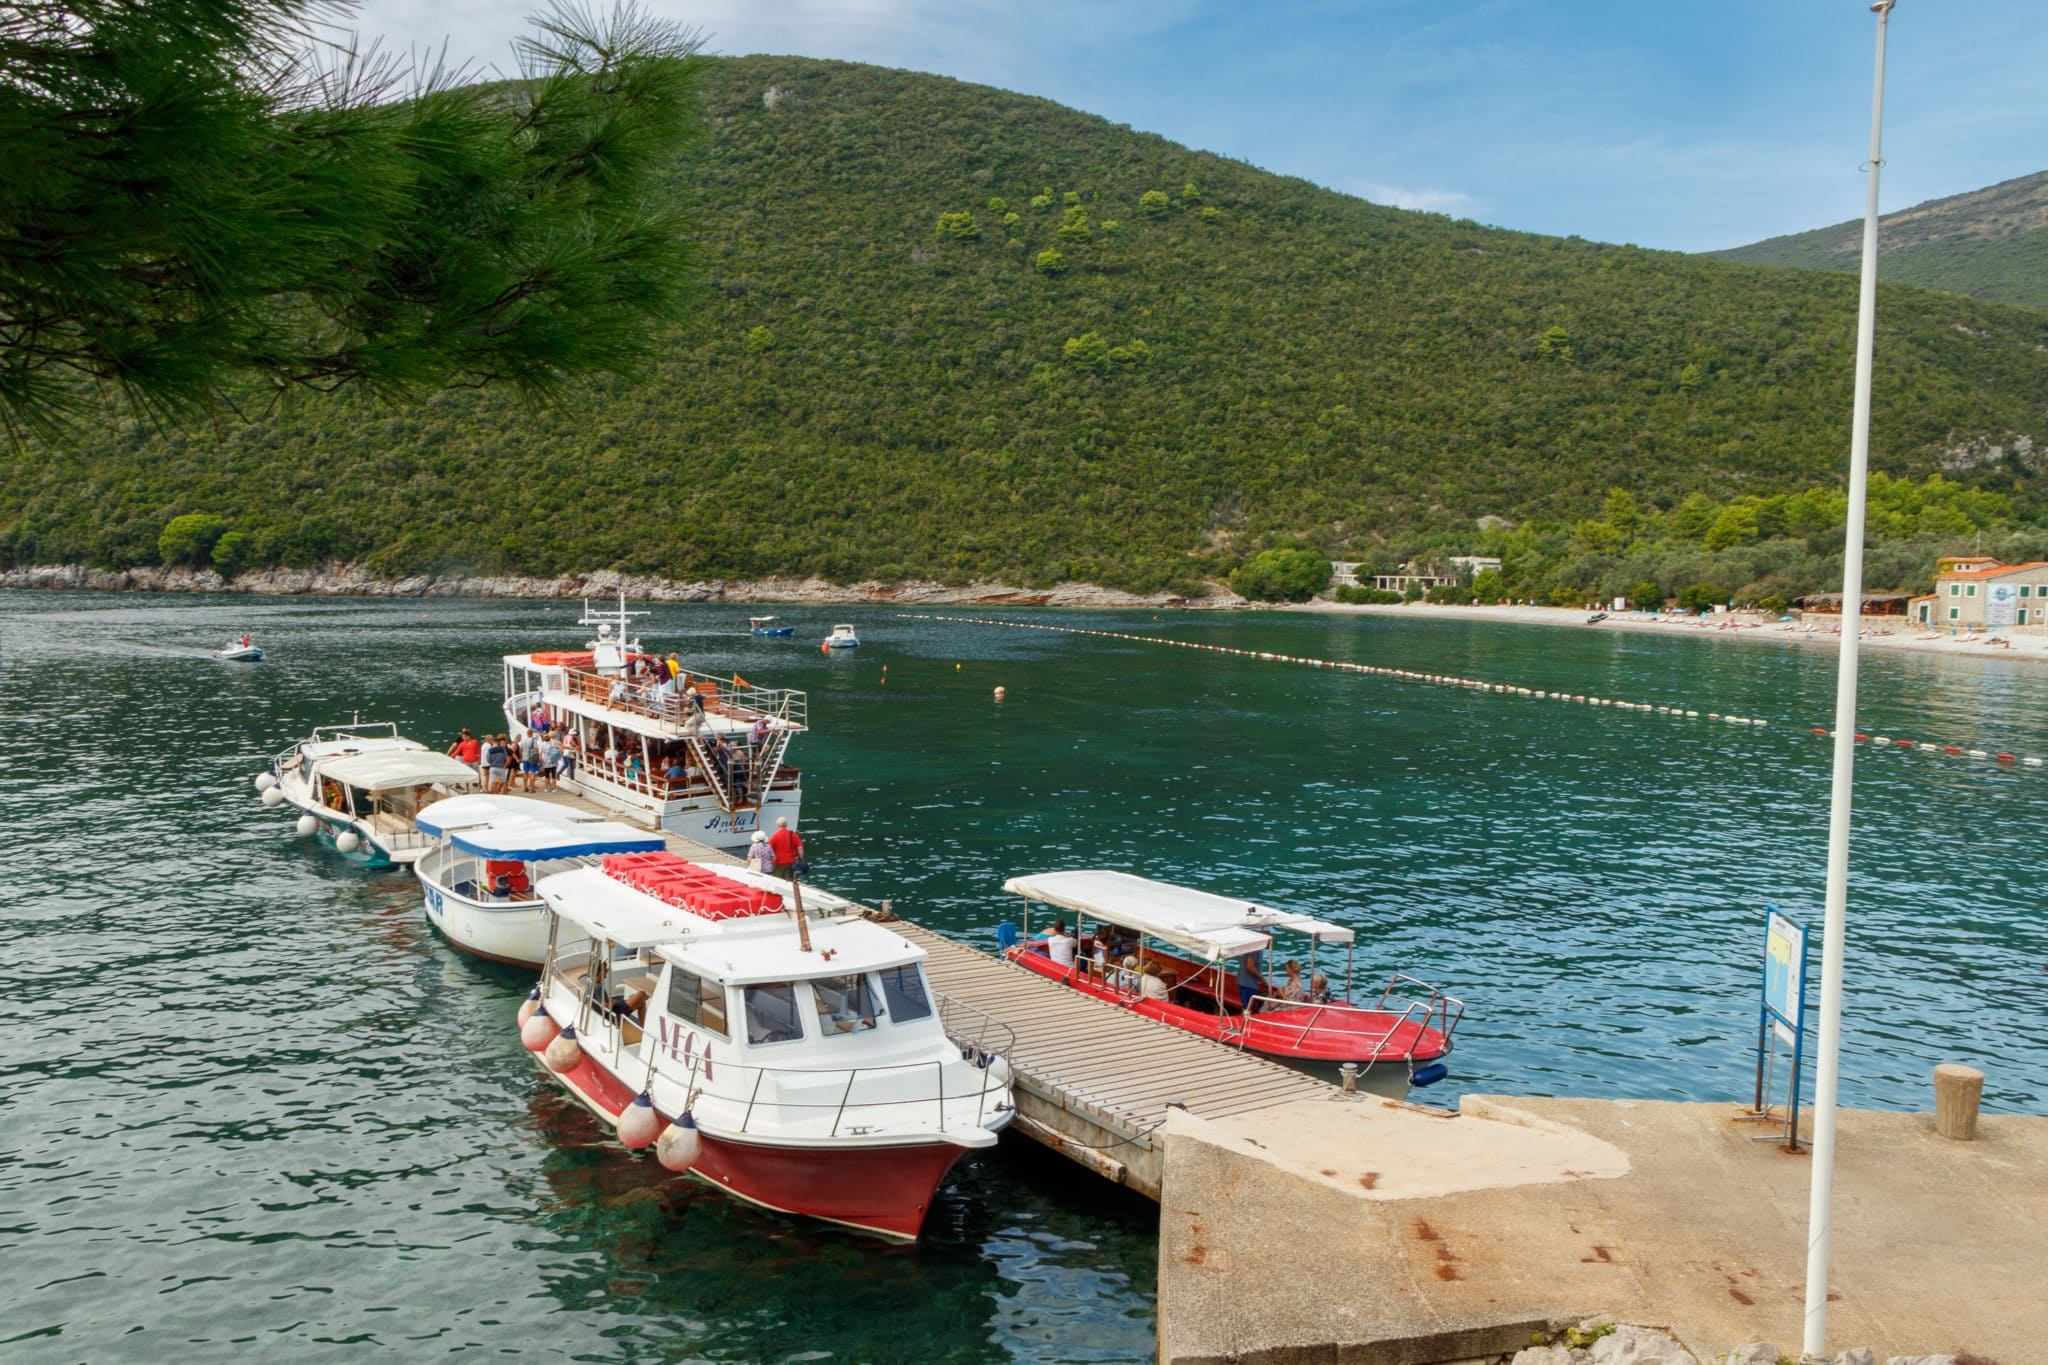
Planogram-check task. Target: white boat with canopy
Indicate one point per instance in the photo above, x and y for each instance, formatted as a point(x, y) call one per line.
point(489, 854)
point(360, 786)
point(1199, 961)
point(695, 753)
point(785, 1050)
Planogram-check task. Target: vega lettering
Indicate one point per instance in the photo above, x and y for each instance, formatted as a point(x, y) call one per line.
point(673, 1034)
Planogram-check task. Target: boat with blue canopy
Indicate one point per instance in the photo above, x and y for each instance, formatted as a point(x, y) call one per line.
point(489, 854)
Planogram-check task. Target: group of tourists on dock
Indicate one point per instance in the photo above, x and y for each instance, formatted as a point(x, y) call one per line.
point(538, 761)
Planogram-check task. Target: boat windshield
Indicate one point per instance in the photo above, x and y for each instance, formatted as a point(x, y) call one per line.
point(846, 1004)
point(771, 1013)
point(905, 991)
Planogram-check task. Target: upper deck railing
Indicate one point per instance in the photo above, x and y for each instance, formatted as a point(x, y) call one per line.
point(729, 697)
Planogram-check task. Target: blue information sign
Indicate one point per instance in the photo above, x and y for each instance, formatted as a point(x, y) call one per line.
point(1783, 1010)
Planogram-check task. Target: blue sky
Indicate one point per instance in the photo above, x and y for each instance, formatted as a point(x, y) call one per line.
point(1660, 123)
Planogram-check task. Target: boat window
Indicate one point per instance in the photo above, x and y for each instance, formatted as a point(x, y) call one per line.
point(905, 990)
point(695, 1000)
point(771, 1013)
point(846, 1004)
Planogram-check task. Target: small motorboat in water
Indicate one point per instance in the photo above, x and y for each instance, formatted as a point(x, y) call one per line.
point(765, 625)
point(842, 637)
point(360, 786)
point(1179, 943)
point(797, 1061)
point(242, 651)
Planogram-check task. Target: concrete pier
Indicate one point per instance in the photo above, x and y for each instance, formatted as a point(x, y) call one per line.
point(1380, 1234)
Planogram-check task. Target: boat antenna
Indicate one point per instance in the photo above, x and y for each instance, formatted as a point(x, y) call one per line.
point(803, 928)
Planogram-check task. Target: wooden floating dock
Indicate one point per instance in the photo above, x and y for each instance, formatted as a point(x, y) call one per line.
point(1093, 1081)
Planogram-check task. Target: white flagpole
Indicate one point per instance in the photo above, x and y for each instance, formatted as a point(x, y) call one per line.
point(1828, 1051)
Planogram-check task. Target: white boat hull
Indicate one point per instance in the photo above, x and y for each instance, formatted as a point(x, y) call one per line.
point(241, 654)
point(512, 932)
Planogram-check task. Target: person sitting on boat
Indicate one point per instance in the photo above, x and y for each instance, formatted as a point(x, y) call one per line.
point(1292, 988)
point(635, 769)
point(676, 770)
point(1060, 945)
point(617, 695)
point(1319, 989)
point(538, 720)
point(1127, 978)
point(1153, 986)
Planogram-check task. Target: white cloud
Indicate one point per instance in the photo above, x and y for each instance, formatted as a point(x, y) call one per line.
point(1454, 202)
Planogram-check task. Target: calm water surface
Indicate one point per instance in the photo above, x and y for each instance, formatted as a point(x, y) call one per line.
point(253, 1105)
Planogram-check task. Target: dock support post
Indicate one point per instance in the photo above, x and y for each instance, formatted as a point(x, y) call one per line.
point(1958, 1090)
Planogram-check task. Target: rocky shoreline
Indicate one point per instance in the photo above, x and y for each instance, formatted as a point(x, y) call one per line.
point(353, 580)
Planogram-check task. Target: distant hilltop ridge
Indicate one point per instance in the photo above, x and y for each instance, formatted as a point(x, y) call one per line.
point(951, 334)
point(1990, 243)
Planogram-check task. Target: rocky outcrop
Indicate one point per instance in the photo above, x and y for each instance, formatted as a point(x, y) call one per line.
point(353, 580)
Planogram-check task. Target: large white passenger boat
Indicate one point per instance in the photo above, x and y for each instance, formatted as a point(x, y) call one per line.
point(646, 748)
point(801, 1064)
point(489, 853)
point(360, 787)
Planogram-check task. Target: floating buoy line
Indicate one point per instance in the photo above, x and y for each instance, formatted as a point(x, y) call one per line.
point(1471, 684)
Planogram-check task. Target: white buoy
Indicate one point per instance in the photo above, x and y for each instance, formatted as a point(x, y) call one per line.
point(1001, 693)
point(564, 1053)
point(307, 824)
point(679, 1145)
point(348, 841)
point(265, 781)
point(538, 1030)
point(1978, 753)
point(273, 796)
point(529, 1007)
point(638, 1124)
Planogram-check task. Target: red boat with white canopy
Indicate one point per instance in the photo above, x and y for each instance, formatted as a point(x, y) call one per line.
point(1168, 951)
point(800, 1063)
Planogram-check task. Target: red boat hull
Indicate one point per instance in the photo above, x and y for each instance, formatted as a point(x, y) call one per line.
point(885, 1190)
point(1308, 1033)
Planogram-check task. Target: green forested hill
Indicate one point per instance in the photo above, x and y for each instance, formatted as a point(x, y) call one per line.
point(1991, 243)
point(1210, 358)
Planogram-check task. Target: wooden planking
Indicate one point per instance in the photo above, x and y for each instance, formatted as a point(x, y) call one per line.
point(1089, 1053)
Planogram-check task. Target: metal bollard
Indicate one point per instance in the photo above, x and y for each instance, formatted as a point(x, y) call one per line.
point(1349, 1071)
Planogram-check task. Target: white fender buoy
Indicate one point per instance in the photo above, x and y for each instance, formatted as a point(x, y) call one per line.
point(307, 824)
point(529, 1007)
point(1978, 753)
point(538, 1030)
point(273, 796)
point(348, 841)
point(638, 1124)
point(679, 1145)
point(265, 781)
point(564, 1053)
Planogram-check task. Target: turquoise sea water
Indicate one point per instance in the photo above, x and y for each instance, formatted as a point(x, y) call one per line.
point(253, 1105)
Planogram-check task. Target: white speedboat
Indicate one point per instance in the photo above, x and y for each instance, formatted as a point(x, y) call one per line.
point(360, 786)
point(709, 767)
point(801, 1064)
point(842, 637)
point(241, 651)
point(478, 879)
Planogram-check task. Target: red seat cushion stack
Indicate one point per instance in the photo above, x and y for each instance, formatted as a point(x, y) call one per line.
point(682, 883)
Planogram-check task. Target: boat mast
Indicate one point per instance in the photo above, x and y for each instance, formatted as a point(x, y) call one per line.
point(1828, 1053)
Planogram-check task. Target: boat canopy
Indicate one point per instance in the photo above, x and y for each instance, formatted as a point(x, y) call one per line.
point(1201, 922)
point(465, 812)
point(854, 945)
point(609, 909)
point(520, 838)
point(383, 769)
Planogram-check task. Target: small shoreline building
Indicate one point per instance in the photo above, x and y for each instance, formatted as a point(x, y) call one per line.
point(1982, 594)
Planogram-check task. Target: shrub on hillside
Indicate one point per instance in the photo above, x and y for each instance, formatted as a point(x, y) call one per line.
point(1701, 597)
point(189, 539)
point(1281, 576)
point(1352, 595)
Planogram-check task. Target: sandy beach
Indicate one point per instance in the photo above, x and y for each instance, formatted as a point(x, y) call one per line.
point(1887, 633)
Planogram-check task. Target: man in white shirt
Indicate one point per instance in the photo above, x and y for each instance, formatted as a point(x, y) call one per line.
point(1060, 945)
